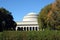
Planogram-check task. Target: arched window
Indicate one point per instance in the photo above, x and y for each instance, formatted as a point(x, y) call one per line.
point(21, 28)
point(36, 28)
point(24, 28)
point(33, 28)
point(30, 28)
point(27, 29)
point(18, 28)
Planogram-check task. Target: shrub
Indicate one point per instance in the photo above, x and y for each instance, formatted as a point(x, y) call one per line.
point(30, 35)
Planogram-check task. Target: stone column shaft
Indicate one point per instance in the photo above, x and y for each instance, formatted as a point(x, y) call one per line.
point(32, 28)
point(23, 28)
point(26, 28)
point(29, 28)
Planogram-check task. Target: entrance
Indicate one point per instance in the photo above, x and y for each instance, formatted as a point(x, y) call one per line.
point(20, 29)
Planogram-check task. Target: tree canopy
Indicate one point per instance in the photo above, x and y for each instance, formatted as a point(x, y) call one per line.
point(6, 20)
point(49, 17)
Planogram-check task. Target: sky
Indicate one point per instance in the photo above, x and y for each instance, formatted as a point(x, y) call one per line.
point(19, 8)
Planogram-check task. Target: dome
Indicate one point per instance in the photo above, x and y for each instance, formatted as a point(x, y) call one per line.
point(31, 14)
point(30, 17)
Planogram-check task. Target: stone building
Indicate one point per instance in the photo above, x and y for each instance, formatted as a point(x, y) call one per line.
point(29, 23)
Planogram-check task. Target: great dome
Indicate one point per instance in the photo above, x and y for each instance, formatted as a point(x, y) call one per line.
point(30, 17)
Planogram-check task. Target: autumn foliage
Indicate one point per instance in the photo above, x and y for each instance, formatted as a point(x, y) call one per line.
point(49, 17)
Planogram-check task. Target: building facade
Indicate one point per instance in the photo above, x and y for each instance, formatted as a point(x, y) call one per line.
point(29, 23)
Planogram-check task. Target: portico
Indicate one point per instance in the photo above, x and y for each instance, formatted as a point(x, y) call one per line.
point(28, 28)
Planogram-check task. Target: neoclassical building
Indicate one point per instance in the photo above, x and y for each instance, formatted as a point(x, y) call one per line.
point(29, 23)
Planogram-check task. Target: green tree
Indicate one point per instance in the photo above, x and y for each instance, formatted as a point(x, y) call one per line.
point(6, 20)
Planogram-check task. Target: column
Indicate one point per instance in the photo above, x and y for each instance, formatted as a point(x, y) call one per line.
point(26, 28)
point(34, 28)
point(23, 28)
point(16, 28)
point(31, 28)
point(38, 28)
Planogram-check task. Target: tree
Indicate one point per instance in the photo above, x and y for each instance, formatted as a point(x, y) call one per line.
point(42, 17)
point(6, 20)
point(49, 16)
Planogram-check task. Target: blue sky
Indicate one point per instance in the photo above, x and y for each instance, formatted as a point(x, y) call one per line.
point(20, 8)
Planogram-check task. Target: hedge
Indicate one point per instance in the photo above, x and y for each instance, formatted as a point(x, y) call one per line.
point(30, 35)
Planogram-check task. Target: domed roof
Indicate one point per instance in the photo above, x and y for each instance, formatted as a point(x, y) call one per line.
point(31, 14)
point(30, 17)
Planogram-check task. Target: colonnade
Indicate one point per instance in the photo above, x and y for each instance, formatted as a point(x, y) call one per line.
point(27, 28)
